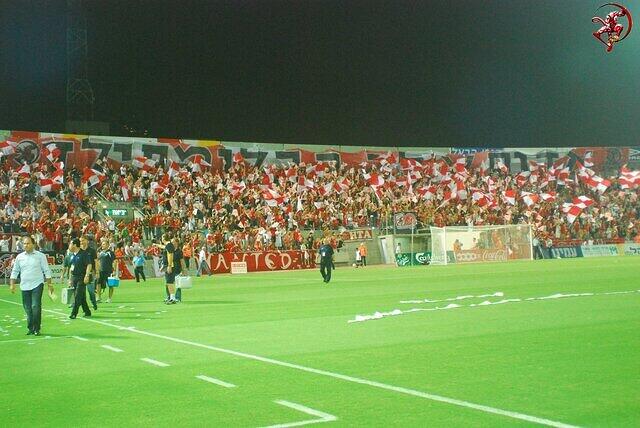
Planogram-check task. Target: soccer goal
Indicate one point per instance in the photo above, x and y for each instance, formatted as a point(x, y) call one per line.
point(474, 244)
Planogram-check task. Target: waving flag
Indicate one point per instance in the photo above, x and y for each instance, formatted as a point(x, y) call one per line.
point(238, 158)
point(143, 163)
point(629, 179)
point(460, 165)
point(589, 178)
point(529, 198)
point(174, 169)
point(126, 195)
point(582, 202)
point(548, 197)
point(426, 192)
point(272, 197)
point(8, 147)
point(24, 170)
point(500, 165)
point(49, 185)
point(479, 198)
point(376, 180)
point(509, 196)
point(522, 178)
point(58, 176)
point(51, 152)
point(387, 159)
point(157, 187)
point(238, 188)
point(588, 159)
point(408, 164)
point(572, 211)
point(199, 162)
point(92, 176)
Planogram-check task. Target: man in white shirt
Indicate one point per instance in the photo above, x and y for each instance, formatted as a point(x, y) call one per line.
point(202, 262)
point(33, 268)
point(4, 245)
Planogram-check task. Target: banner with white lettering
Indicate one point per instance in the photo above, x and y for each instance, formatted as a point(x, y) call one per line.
point(262, 261)
point(566, 252)
point(599, 250)
point(357, 235)
point(631, 249)
point(83, 150)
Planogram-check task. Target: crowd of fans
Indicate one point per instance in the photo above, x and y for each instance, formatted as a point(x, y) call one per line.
point(250, 209)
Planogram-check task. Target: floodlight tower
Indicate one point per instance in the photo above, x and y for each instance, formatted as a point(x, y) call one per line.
point(80, 97)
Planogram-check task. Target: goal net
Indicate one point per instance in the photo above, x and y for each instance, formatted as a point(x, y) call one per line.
point(473, 244)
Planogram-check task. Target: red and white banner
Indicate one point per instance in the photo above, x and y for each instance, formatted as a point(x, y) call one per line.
point(266, 261)
point(81, 151)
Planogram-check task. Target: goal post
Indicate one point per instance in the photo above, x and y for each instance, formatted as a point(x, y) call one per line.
point(475, 244)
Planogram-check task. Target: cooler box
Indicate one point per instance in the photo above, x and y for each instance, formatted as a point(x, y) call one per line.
point(183, 282)
point(67, 296)
point(113, 281)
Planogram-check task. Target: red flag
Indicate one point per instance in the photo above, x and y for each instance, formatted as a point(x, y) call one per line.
point(24, 170)
point(8, 147)
point(375, 180)
point(582, 202)
point(143, 163)
point(174, 169)
point(529, 198)
point(48, 185)
point(510, 196)
point(572, 211)
point(548, 197)
point(51, 152)
point(238, 158)
point(92, 176)
point(126, 196)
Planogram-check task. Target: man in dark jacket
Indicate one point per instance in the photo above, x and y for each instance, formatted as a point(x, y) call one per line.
point(81, 270)
point(326, 260)
point(93, 256)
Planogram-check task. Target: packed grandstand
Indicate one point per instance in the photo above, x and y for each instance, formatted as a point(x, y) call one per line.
point(52, 186)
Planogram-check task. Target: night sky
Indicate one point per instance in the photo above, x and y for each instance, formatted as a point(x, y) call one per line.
point(508, 73)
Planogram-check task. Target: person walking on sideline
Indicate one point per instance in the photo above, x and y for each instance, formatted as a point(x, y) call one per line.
point(81, 269)
point(178, 267)
point(93, 255)
point(168, 263)
point(138, 264)
point(398, 252)
point(33, 268)
point(363, 254)
point(106, 261)
point(202, 262)
point(326, 260)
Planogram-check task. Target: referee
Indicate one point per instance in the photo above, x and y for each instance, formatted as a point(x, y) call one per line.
point(326, 260)
point(33, 269)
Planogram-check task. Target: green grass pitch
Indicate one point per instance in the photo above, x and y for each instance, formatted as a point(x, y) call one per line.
point(260, 350)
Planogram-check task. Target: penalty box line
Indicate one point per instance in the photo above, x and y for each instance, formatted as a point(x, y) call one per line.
point(398, 389)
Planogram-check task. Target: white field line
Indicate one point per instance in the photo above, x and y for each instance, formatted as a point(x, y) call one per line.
point(379, 315)
point(80, 338)
point(322, 417)
point(374, 384)
point(216, 381)
point(454, 299)
point(111, 348)
point(35, 339)
point(154, 362)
